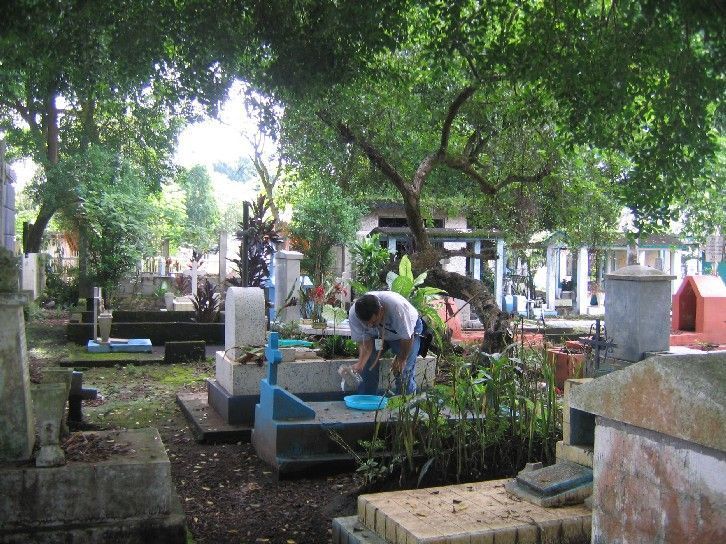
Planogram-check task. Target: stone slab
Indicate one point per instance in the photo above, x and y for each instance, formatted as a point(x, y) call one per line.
point(134, 484)
point(348, 530)
point(694, 385)
point(306, 376)
point(163, 529)
point(555, 478)
point(582, 455)
point(245, 319)
point(206, 424)
point(481, 512)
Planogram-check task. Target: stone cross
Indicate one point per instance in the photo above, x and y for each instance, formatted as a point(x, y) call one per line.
point(245, 322)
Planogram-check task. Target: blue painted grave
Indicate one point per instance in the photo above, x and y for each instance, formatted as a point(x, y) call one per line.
point(134, 345)
point(292, 435)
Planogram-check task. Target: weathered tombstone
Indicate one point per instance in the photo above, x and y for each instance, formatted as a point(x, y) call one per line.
point(126, 498)
point(637, 311)
point(660, 474)
point(245, 323)
point(16, 415)
point(287, 282)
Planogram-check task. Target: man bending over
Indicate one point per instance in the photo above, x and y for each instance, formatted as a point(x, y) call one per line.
point(381, 320)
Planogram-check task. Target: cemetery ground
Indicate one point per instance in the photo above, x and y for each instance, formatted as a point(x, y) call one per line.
point(227, 493)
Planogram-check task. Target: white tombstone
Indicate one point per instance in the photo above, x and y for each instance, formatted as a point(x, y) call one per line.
point(583, 300)
point(245, 322)
point(287, 281)
point(194, 274)
point(29, 274)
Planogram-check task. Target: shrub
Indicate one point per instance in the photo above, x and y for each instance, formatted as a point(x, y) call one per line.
point(496, 413)
point(206, 303)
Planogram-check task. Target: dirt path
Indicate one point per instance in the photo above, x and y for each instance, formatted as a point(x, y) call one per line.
point(228, 494)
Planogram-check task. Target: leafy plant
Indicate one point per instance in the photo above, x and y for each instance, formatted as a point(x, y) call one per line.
point(206, 303)
point(323, 217)
point(160, 291)
point(369, 259)
point(61, 286)
point(182, 285)
point(289, 330)
point(335, 345)
point(262, 240)
point(496, 413)
point(420, 296)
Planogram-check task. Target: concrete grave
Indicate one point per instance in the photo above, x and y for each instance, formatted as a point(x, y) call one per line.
point(481, 512)
point(16, 416)
point(659, 450)
point(287, 282)
point(637, 311)
point(127, 498)
point(699, 308)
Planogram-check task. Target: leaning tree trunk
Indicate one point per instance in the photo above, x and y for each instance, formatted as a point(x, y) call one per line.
point(496, 323)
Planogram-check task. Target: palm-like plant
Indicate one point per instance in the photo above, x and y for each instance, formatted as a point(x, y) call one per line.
point(420, 296)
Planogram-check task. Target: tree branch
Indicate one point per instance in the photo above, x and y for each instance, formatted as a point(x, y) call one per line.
point(465, 166)
point(370, 151)
point(545, 171)
point(454, 108)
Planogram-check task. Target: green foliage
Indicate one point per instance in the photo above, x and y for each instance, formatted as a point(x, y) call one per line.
point(546, 79)
point(160, 291)
point(497, 413)
point(61, 286)
point(704, 209)
point(206, 303)
point(201, 229)
point(337, 346)
point(289, 330)
point(369, 260)
point(111, 212)
point(170, 216)
point(322, 218)
point(419, 295)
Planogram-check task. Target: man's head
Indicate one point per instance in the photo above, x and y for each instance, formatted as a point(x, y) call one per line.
point(368, 309)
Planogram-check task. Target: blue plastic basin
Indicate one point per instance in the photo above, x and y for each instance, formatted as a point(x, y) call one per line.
point(365, 402)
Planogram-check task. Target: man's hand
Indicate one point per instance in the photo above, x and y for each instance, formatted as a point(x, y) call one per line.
point(397, 365)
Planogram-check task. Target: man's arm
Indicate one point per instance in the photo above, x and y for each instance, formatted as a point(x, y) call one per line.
point(399, 361)
point(365, 348)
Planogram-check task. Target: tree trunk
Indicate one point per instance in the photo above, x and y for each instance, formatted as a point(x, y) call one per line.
point(496, 324)
point(412, 206)
point(35, 234)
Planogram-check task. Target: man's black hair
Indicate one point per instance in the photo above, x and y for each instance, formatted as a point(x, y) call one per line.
point(366, 307)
